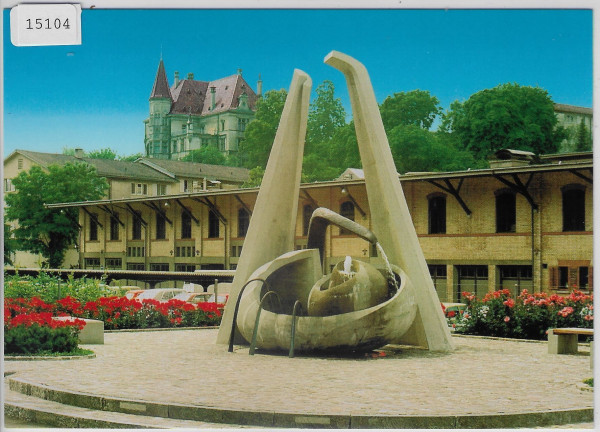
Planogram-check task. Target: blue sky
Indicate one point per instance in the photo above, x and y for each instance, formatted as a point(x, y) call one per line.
point(95, 95)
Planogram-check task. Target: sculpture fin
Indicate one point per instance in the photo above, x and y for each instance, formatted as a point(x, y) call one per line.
point(272, 227)
point(391, 220)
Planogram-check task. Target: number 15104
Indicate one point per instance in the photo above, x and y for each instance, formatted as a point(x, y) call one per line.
point(47, 24)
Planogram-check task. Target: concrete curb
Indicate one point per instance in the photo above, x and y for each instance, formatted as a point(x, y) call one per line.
point(160, 329)
point(49, 358)
point(298, 420)
point(48, 418)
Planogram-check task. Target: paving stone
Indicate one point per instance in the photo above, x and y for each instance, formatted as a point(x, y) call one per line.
point(186, 367)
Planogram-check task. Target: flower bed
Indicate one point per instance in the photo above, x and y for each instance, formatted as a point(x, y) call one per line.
point(123, 313)
point(38, 333)
point(529, 316)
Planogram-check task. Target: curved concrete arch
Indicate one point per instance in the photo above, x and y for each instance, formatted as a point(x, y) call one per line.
point(271, 230)
point(391, 220)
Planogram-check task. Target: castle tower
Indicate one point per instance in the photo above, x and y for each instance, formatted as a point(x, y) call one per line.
point(158, 127)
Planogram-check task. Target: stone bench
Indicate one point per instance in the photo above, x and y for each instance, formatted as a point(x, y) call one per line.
point(92, 332)
point(564, 340)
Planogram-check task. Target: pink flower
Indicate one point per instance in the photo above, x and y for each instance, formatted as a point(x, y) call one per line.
point(509, 302)
point(506, 319)
point(566, 311)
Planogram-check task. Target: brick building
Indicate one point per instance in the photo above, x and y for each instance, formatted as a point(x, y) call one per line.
point(525, 222)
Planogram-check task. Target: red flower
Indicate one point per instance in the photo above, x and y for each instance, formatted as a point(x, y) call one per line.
point(506, 319)
point(509, 302)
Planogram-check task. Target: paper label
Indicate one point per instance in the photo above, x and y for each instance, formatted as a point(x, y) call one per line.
point(45, 24)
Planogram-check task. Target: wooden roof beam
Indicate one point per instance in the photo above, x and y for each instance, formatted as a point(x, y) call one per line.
point(158, 210)
point(519, 187)
point(454, 191)
point(189, 213)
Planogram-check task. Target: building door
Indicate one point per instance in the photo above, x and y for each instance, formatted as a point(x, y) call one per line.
point(516, 278)
point(473, 279)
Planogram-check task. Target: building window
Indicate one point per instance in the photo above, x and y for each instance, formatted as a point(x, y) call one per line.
point(584, 281)
point(222, 125)
point(8, 186)
point(347, 211)
point(242, 124)
point(136, 266)
point(185, 251)
point(506, 212)
point(163, 267)
point(137, 226)
point(161, 227)
point(243, 222)
point(93, 227)
point(91, 263)
point(438, 276)
point(570, 275)
point(114, 263)
point(114, 226)
point(186, 186)
point(20, 163)
point(573, 203)
point(307, 212)
point(186, 225)
point(437, 215)
point(161, 189)
point(213, 225)
point(139, 189)
point(185, 268)
point(236, 251)
point(136, 251)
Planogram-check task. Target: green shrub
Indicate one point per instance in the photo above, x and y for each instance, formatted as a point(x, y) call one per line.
point(51, 288)
point(36, 339)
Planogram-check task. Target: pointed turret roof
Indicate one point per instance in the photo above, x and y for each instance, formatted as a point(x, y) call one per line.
point(161, 84)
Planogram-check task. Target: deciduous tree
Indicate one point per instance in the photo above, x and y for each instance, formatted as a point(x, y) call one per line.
point(50, 232)
point(415, 107)
point(506, 116)
point(260, 132)
point(207, 155)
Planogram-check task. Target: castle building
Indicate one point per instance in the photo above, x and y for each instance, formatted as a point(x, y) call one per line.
point(192, 114)
point(571, 117)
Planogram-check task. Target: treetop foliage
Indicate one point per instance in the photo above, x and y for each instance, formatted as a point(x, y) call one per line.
point(506, 116)
point(416, 108)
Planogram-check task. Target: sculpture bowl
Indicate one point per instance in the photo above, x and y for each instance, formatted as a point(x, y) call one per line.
point(292, 276)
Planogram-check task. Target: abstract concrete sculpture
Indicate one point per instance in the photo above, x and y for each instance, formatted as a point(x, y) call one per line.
point(271, 229)
point(283, 298)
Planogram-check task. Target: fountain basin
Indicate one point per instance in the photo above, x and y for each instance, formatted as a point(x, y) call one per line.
point(292, 276)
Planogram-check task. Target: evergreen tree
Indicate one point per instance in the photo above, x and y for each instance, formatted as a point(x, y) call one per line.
point(583, 138)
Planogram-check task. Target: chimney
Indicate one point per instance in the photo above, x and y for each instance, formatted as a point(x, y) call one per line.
point(190, 76)
point(259, 87)
point(79, 153)
point(239, 72)
point(213, 96)
point(176, 83)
